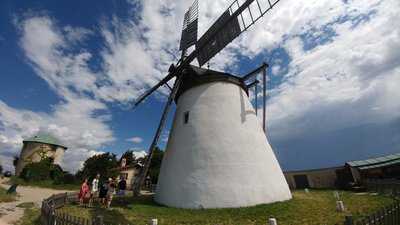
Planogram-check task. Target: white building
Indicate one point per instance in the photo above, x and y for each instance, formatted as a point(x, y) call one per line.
point(217, 154)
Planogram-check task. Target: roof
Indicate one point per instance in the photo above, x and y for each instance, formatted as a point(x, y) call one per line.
point(376, 162)
point(195, 76)
point(46, 139)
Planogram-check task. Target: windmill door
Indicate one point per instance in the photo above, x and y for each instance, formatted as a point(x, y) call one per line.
point(301, 181)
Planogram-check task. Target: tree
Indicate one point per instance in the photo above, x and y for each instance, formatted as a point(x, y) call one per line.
point(155, 164)
point(105, 164)
point(1, 169)
point(130, 158)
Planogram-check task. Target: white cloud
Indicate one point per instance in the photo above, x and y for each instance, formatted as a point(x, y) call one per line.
point(72, 123)
point(350, 78)
point(354, 71)
point(139, 153)
point(135, 140)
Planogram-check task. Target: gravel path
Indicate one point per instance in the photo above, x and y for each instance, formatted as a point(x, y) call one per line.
point(9, 213)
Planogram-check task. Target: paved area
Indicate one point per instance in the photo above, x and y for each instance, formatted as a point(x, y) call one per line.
point(9, 213)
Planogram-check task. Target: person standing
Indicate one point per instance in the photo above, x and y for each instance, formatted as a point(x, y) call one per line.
point(110, 192)
point(95, 189)
point(103, 193)
point(84, 191)
point(122, 186)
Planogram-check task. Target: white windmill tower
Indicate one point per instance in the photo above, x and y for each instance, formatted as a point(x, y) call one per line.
point(217, 155)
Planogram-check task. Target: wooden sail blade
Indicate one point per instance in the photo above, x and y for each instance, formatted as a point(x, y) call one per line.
point(239, 16)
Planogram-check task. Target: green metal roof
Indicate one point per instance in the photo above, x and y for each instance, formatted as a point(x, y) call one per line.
point(46, 139)
point(393, 162)
point(376, 162)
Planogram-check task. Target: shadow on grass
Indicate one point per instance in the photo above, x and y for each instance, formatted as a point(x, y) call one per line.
point(128, 202)
point(110, 216)
point(113, 215)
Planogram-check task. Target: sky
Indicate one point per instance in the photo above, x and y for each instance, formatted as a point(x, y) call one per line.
point(73, 68)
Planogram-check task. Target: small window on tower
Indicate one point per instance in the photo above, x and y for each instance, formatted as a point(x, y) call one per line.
point(186, 117)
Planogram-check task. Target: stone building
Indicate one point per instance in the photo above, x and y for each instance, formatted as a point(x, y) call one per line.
point(38, 147)
point(316, 178)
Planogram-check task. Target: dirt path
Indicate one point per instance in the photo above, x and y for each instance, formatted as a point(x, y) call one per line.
point(9, 213)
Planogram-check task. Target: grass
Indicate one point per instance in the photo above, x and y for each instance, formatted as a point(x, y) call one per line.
point(4, 197)
point(316, 207)
point(43, 184)
point(31, 217)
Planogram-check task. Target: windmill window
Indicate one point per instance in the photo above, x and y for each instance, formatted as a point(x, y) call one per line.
point(186, 117)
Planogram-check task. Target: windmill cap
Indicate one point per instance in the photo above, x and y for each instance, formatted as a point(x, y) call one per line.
point(45, 139)
point(194, 76)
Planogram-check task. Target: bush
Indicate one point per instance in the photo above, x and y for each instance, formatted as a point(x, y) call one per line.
point(57, 174)
point(37, 171)
point(69, 178)
point(45, 170)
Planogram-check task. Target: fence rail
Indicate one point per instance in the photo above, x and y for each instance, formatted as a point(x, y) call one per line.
point(389, 215)
point(50, 215)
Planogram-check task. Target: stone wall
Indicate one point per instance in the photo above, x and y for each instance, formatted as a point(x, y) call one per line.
point(34, 152)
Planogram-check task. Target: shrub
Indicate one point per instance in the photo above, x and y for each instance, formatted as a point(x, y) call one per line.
point(37, 171)
point(45, 170)
point(69, 178)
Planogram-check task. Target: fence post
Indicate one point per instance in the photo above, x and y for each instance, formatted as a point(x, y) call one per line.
point(272, 221)
point(340, 206)
point(348, 220)
point(52, 215)
point(154, 221)
point(65, 198)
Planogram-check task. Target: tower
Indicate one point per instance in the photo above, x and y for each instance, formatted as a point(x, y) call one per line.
point(217, 154)
point(38, 147)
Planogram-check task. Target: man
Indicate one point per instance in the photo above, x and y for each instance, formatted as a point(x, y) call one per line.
point(122, 186)
point(95, 189)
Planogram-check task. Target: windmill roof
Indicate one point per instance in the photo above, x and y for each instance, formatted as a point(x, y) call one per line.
point(46, 139)
point(195, 76)
point(376, 162)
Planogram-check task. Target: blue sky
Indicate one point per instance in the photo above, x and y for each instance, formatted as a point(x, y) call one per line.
point(72, 69)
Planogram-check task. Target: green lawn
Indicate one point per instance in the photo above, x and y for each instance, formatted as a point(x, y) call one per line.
point(31, 217)
point(4, 197)
point(316, 207)
point(44, 184)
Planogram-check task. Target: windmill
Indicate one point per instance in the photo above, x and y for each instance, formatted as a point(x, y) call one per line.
point(217, 155)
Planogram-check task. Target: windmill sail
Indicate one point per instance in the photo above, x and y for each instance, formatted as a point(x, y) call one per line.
point(239, 16)
point(190, 24)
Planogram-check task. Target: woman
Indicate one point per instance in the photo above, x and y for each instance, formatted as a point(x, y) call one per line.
point(84, 191)
point(110, 192)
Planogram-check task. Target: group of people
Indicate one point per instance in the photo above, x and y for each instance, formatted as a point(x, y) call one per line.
point(103, 191)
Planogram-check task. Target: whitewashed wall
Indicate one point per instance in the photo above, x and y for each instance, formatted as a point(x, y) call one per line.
point(221, 157)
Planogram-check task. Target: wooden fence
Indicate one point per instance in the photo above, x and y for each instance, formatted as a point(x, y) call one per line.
point(50, 215)
point(389, 215)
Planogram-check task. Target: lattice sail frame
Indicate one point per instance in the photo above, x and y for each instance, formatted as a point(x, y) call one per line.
point(190, 26)
point(239, 16)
